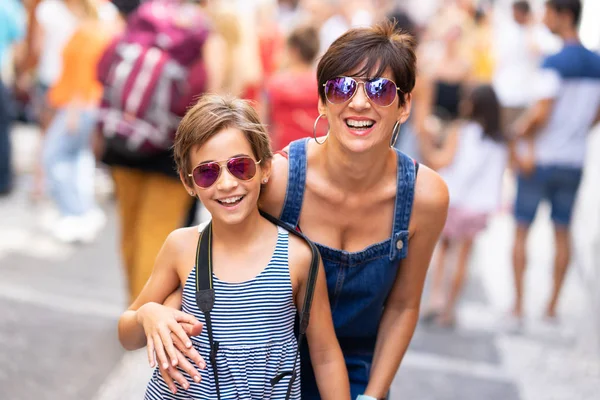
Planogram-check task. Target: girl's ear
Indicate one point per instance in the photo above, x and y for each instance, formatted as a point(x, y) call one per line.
point(184, 181)
point(265, 171)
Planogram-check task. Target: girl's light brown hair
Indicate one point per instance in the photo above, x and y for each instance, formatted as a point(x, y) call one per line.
point(209, 116)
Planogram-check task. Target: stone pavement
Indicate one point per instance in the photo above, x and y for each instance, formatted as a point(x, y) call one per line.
point(59, 306)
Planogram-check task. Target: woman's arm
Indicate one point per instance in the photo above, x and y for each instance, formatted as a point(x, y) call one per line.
point(402, 307)
point(325, 352)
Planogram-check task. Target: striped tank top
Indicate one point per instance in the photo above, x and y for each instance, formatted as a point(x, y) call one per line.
point(253, 321)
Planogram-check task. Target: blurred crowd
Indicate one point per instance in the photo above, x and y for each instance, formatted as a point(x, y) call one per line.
point(499, 89)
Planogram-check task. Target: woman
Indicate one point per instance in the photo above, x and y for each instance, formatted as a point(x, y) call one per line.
point(352, 194)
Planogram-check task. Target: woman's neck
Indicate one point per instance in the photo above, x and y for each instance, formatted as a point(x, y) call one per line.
point(354, 171)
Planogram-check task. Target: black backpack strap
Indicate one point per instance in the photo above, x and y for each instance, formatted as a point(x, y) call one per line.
point(310, 291)
point(205, 293)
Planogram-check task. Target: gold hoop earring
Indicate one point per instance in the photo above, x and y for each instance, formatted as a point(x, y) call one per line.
point(315, 129)
point(395, 134)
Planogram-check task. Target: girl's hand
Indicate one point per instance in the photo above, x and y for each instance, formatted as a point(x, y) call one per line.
point(159, 322)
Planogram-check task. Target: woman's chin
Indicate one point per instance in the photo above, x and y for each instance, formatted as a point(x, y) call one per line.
point(359, 144)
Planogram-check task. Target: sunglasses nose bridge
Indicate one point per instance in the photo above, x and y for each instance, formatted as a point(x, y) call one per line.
point(226, 179)
point(360, 98)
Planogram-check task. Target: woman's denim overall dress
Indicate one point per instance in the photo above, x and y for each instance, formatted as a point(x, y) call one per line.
point(358, 282)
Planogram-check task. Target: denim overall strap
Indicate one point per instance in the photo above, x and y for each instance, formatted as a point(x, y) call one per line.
point(404, 200)
point(296, 181)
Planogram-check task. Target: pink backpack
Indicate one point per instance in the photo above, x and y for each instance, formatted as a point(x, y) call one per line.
point(151, 74)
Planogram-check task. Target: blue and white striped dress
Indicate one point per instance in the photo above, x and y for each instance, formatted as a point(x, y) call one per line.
point(253, 322)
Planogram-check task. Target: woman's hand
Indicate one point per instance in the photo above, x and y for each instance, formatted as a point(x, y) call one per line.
point(172, 374)
point(164, 324)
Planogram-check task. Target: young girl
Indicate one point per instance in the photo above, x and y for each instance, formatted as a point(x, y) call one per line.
point(259, 272)
point(473, 159)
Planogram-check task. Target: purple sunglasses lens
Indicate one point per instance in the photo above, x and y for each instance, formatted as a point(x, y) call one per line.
point(381, 91)
point(243, 168)
point(206, 175)
point(340, 90)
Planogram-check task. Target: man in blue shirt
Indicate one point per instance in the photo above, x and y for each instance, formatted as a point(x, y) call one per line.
point(567, 94)
point(12, 25)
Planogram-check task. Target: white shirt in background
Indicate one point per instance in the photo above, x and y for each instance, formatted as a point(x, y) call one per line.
point(58, 24)
point(517, 58)
point(337, 25)
point(474, 177)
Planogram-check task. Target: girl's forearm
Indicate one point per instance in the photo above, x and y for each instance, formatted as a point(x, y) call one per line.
point(331, 374)
point(395, 332)
point(131, 332)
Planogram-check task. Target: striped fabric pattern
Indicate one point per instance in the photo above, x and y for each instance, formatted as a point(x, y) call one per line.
point(253, 322)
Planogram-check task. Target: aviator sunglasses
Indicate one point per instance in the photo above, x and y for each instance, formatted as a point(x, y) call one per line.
point(241, 167)
point(381, 91)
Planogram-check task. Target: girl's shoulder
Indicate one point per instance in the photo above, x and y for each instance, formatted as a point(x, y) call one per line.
point(182, 240)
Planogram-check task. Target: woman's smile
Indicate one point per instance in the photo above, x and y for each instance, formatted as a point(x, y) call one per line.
point(359, 126)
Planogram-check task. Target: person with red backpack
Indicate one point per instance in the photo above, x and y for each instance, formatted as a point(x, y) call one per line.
point(151, 73)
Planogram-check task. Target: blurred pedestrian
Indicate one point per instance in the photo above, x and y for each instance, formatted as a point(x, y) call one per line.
point(12, 28)
point(139, 127)
point(68, 159)
point(567, 93)
point(254, 306)
point(517, 54)
point(472, 162)
point(292, 94)
point(55, 23)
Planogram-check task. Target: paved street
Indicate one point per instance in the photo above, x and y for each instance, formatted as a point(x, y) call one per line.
point(59, 306)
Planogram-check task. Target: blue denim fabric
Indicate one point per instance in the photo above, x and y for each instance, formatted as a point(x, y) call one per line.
point(6, 119)
point(358, 282)
point(557, 184)
point(70, 164)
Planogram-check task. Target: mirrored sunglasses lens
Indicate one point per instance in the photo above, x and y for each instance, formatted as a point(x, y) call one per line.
point(340, 90)
point(243, 168)
point(381, 91)
point(206, 175)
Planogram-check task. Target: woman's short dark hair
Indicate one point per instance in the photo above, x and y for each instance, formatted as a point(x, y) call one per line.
point(305, 39)
point(485, 109)
point(374, 50)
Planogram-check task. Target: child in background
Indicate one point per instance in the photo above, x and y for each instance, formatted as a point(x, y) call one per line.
point(259, 271)
point(472, 161)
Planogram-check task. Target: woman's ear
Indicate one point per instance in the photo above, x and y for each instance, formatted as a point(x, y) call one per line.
point(404, 110)
point(322, 107)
